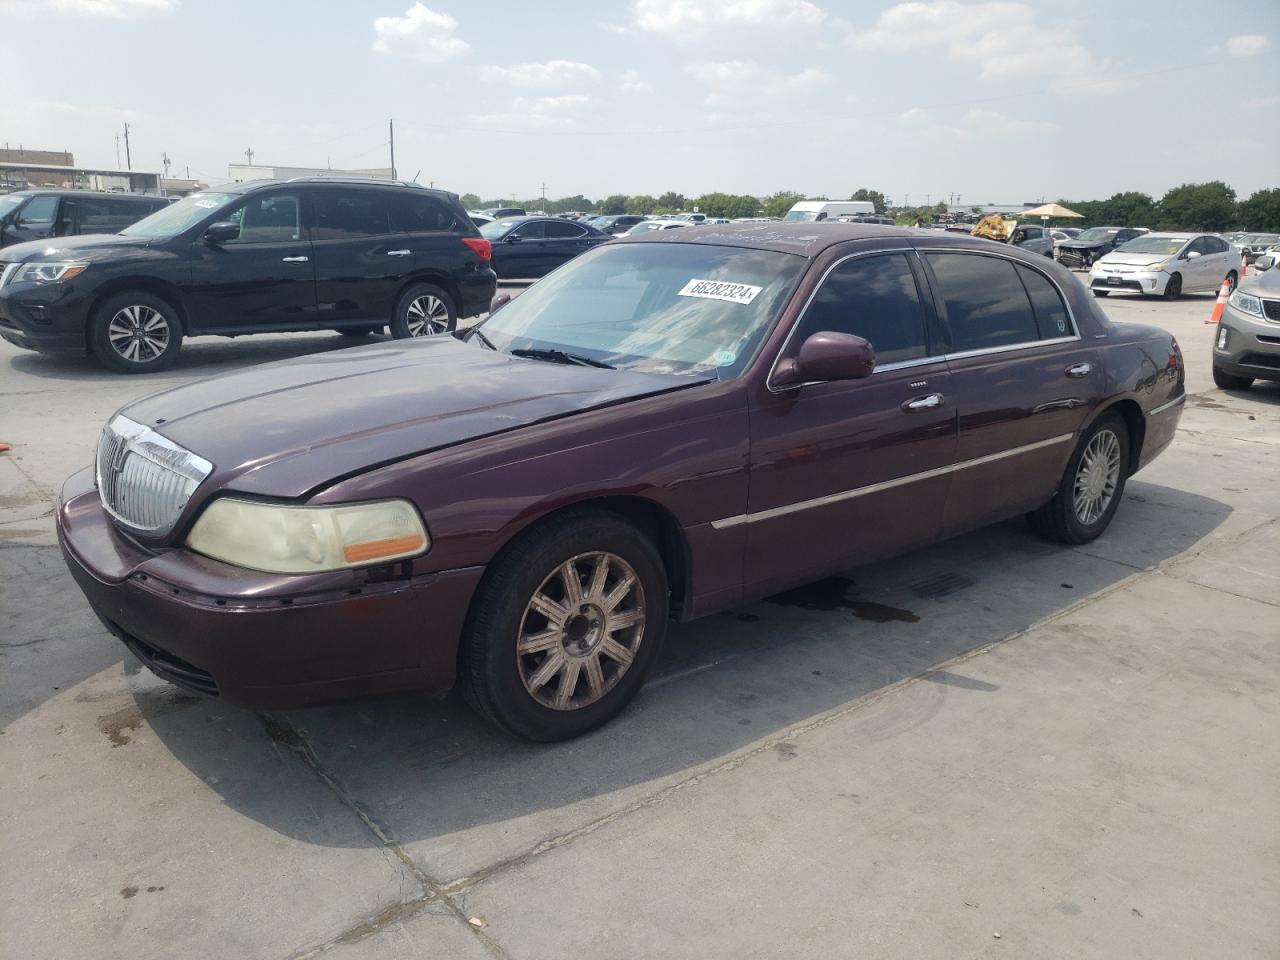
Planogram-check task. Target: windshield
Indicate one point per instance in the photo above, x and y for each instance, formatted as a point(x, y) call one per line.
point(1097, 233)
point(174, 219)
point(691, 309)
point(1160, 245)
point(497, 228)
point(800, 216)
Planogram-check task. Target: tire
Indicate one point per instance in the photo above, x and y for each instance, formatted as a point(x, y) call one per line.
point(1102, 293)
point(527, 694)
point(1173, 287)
point(423, 309)
point(354, 332)
point(135, 332)
point(1229, 381)
point(1062, 518)
point(1232, 279)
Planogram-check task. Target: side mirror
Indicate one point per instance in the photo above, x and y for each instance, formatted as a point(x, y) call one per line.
point(1192, 254)
point(512, 238)
point(827, 356)
point(1265, 262)
point(221, 232)
point(498, 302)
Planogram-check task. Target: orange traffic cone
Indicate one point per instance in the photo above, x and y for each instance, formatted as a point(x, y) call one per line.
point(1223, 292)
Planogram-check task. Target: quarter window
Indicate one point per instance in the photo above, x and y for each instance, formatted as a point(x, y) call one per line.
point(348, 215)
point(268, 219)
point(1052, 319)
point(876, 299)
point(985, 302)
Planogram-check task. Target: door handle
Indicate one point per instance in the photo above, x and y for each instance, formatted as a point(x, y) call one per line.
point(922, 403)
point(1078, 370)
point(398, 253)
point(294, 259)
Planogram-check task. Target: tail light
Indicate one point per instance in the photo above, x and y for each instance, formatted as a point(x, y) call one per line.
point(483, 248)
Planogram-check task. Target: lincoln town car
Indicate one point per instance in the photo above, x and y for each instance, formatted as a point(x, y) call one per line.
point(670, 425)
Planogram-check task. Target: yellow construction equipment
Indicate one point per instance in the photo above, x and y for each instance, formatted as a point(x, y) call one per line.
point(994, 227)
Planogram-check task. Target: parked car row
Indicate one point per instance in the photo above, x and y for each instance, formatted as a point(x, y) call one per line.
point(40, 214)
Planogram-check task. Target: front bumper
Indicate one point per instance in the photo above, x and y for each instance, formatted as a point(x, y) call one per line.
point(245, 637)
point(49, 317)
point(1134, 281)
point(1252, 347)
point(1075, 258)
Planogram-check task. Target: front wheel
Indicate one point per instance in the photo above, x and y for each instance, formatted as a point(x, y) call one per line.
point(422, 310)
point(1091, 486)
point(1232, 279)
point(135, 332)
point(563, 629)
point(1101, 293)
point(1173, 287)
point(1229, 381)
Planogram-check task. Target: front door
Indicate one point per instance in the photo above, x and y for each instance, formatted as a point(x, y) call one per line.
point(1024, 382)
point(36, 220)
point(263, 279)
point(523, 251)
point(845, 472)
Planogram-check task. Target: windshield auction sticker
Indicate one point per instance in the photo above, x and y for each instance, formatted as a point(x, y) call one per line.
point(719, 290)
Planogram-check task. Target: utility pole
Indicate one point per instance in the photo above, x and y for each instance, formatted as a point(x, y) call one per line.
point(128, 158)
point(164, 157)
point(248, 152)
point(391, 127)
point(117, 151)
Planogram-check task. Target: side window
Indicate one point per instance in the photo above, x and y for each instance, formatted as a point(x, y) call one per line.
point(876, 299)
point(986, 304)
point(420, 214)
point(1052, 319)
point(347, 215)
point(560, 229)
point(39, 210)
point(93, 212)
point(268, 219)
point(1199, 246)
point(128, 211)
point(1124, 236)
point(537, 230)
point(1216, 245)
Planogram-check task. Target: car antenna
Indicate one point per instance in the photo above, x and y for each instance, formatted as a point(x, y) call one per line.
point(415, 176)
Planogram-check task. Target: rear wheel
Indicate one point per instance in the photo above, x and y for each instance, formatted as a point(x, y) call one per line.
point(1229, 381)
point(135, 332)
point(422, 310)
point(1173, 288)
point(564, 627)
point(1091, 486)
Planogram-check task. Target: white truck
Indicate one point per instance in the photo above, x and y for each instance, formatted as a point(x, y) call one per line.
point(809, 211)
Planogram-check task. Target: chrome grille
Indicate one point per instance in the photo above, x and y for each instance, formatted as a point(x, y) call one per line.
point(144, 479)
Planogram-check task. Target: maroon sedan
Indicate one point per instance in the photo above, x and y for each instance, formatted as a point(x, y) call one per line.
point(667, 426)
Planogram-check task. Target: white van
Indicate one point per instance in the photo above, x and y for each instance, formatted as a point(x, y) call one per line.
point(811, 210)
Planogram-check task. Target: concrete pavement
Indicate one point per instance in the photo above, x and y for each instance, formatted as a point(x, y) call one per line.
point(993, 747)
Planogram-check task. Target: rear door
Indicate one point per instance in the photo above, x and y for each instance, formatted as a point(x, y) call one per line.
point(428, 226)
point(848, 471)
point(261, 280)
point(362, 260)
point(1023, 378)
point(1219, 260)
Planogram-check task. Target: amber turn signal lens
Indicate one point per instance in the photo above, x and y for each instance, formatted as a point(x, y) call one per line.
point(374, 549)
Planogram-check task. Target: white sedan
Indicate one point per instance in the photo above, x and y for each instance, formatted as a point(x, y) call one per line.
point(1167, 265)
point(645, 226)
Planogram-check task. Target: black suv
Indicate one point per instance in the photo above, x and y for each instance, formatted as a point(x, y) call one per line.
point(39, 214)
point(313, 253)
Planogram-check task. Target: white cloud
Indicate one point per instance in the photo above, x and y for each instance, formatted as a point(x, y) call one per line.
point(553, 73)
point(673, 16)
point(536, 112)
point(106, 9)
point(1003, 39)
point(983, 126)
point(745, 91)
point(1271, 101)
point(631, 83)
point(1247, 45)
point(421, 34)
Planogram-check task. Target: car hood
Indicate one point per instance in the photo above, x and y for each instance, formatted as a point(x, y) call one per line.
point(285, 429)
point(1119, 259)
point(1085, 244)
point(1264, 284)
point(90, 247)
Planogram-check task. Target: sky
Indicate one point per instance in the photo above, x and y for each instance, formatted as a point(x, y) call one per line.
point(999, 102)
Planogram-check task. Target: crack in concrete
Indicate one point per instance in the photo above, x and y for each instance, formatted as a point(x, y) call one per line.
point(284, 733)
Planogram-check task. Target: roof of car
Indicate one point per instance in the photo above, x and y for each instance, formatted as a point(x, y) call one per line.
point(68, 192)
point(807, 239)
point(358, 182)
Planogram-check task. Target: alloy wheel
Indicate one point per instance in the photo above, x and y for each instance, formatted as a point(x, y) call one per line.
point(1097, 477)
point(139, 333)
point(427, 315)
point(581, 631)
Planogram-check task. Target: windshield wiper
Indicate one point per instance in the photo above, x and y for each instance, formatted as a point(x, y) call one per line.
point(561, 356)
point(475, 332)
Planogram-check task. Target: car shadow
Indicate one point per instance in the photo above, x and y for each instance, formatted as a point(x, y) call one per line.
point(427, 771)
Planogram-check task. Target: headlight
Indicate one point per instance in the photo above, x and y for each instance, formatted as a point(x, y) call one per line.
point(1158, 267)
point(49, 271)
point(1246, 304)
point(280, 538)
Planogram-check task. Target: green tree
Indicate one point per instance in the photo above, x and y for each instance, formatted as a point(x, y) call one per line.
point(1131, 209)
point(641, 204)
point(1261, 212)
point(1199, 206)
point(613, 204)
point(565, 204)
point(875, 196)
point(470, 201)
point(727, 205)
point(777, 204)
point(670, 202)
